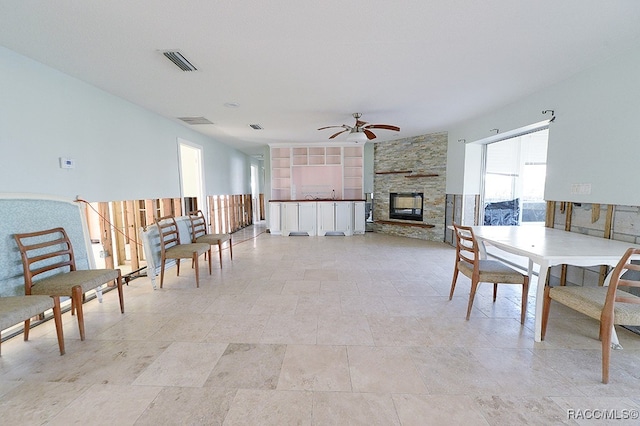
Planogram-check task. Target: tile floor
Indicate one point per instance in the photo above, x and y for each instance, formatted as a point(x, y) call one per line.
point(317, 331)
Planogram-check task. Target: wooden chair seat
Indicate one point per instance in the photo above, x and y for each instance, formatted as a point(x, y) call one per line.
point(62, 284)
point(15, 309)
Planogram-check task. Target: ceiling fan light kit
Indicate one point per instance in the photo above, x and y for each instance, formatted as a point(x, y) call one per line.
point(360, 132)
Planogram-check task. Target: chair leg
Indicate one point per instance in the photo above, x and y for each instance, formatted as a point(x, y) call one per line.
point(120, 292)
point(230, 248)
point(27, 327)
point(178, 267)
point(209, 259)
point(606, 353)
point(472, 295)
point(76, 299)
point(195, 261)
point(220, 252)
point(57, 317)
point(453, 282)
point(545, 312)
point(525, 295)
point(495, 292)
point(161, 272)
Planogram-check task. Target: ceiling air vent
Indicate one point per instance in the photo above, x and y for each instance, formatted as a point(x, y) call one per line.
point(256, 126)
point(195, 120)
point(179, 60)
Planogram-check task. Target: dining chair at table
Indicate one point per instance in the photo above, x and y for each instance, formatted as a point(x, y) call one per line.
point(479, 270)
point(49, 267)
point(15, 309)
point(200, 234)
point(609, 305)
point(172, 248)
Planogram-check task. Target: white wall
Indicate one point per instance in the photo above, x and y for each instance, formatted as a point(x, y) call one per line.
point(122, 151)
point(595, 138)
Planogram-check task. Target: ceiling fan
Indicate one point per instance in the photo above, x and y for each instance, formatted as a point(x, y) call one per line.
point(361, 131)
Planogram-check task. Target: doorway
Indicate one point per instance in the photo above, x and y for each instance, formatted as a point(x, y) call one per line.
point(191, 176)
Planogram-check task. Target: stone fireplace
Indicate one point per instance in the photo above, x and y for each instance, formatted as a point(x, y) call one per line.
point(416, 168)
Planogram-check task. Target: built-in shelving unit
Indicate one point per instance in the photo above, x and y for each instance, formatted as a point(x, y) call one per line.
point(281, 173)
point(353, 172)
point(286, 160)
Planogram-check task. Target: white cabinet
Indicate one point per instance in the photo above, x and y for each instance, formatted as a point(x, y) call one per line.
point(335, 217)
point(317, 217)
point(359, 219)
point(298, 218)
point(274, 219)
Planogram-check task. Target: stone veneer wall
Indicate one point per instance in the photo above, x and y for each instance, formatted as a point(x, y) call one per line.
point(425, 154)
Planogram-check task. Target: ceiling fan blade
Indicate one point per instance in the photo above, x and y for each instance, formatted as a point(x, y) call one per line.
point(329, 127)
point(360, 123)
point(383, 126)
point(336, 134)
point(369, 134)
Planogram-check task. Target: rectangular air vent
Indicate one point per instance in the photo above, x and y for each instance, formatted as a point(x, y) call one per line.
point(255, 126)
point(195, 120)
point(179, 60)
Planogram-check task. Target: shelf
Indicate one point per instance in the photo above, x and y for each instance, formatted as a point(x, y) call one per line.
point(395, 172)
point(421, 175)
point(393, 222)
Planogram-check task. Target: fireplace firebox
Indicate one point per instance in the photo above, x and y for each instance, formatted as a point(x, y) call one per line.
point(406, 205)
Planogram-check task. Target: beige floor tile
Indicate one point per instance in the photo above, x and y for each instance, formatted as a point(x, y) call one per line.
point(344, 330)
point(423, 410)
point(383, 369)
point(301, 287)
point(232, 304)
point(314, 367)
point(267, 407)
point(507, 410)
point(182, 364)
point(186, 327)
point(188, 406)
point(35, 403)
point(291, 329)
point(238, 329)
point(364, 409)
point(107, 405)
point(275, 304)
point(324, 304)
point(248, 366)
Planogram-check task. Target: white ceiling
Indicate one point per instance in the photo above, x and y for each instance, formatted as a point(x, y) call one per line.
point(293, 66)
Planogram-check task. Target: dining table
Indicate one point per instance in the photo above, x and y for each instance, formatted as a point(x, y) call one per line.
point(547, 247)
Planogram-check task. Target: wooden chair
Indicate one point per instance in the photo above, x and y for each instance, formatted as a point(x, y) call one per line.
point(50, 269)
point(14, 309)
point(609, 305)
point(199, 234)
point(171, 248)
point(483, 270)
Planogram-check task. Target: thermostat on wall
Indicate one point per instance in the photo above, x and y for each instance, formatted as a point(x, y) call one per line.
point(67, 163)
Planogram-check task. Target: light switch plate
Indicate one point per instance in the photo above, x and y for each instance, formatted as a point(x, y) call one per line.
point(67, 163)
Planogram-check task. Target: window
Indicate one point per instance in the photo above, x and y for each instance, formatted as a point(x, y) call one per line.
point(514, 179)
